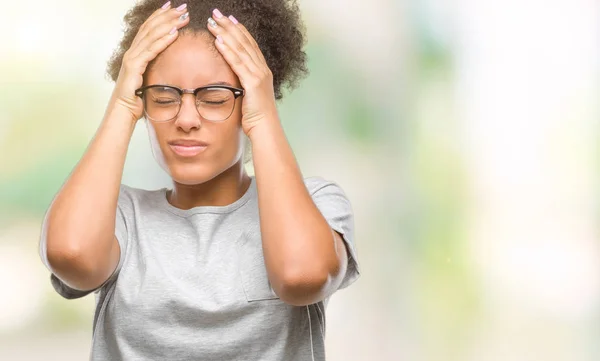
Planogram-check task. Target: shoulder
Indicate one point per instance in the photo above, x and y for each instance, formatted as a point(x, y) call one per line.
point(327, 194)
point(318, 184)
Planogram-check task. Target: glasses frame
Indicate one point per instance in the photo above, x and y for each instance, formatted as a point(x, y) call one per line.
point(237, 92)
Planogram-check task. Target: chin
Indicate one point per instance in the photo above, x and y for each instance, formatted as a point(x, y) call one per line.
point(198, 172)
point(192, 173)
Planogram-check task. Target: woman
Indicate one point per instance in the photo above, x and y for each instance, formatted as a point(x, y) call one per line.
point(224, 266)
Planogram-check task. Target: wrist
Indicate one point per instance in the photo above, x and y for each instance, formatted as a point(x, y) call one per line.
point(267, 128)
point(118, 116)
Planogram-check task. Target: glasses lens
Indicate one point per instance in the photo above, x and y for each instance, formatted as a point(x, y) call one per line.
point(161, 103)
point(215, 104)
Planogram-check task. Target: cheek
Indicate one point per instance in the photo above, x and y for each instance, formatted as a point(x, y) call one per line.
point(229, 137)
point(156, 134)
point(229, 131)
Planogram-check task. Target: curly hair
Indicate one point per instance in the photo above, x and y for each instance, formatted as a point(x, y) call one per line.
point(275, 25)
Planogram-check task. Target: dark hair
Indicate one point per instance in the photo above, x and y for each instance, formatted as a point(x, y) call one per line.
point(275, 25)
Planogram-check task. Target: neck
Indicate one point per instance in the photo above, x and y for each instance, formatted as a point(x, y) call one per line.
point(222, 190)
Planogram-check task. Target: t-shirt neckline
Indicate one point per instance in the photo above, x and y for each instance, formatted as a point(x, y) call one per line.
point(164, 203)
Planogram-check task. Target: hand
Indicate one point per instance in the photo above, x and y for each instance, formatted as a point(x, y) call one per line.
point(243, 55)
point(154, 36)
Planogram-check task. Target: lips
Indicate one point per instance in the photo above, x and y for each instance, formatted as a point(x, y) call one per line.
point(188, 143)
point(187, 147)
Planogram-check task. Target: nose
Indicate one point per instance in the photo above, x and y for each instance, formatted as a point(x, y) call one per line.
point(188, 117)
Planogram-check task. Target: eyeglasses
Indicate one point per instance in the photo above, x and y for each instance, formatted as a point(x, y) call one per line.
point(162, 103)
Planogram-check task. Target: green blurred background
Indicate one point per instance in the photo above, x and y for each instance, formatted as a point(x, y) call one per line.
point(463, 132)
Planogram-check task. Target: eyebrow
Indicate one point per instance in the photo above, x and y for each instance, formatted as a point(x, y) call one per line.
point(220, 83)
point(209, 84)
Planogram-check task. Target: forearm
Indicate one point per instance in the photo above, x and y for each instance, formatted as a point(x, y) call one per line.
point(297, 241)
point(81, 219)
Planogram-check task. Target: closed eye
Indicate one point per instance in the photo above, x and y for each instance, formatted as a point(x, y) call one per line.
point(165, 101)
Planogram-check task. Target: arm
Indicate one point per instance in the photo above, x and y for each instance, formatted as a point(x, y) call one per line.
point(306, 260)
point(80, 225)
point(79, 228)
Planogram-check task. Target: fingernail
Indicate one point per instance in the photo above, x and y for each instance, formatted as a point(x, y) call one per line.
point(166, 5)
point(233, 20)
point(184, 16)
point(173, 31)
point(181, 7)
point(219, 39)
point(217, 13)
point(212, 22)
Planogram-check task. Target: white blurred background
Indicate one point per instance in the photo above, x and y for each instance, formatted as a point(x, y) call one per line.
point(464, 132)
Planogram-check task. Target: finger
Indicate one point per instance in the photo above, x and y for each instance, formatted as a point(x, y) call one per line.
point(161, 30)
point(250, 38)
point(234, 46)
point(142, 30)
point(148, 54)
point(237, 64)
point(159, 16)
point(164, 15)
point(159, 11)
point(238, 51)
point(226, 28)
point(137, 65)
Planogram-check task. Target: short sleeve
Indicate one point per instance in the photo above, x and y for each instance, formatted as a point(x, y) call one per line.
point(123, 207)
point(331, 200)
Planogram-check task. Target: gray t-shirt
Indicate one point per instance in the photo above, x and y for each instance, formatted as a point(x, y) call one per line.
point(192, 284)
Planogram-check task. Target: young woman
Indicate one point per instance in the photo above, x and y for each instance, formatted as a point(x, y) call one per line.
point(223, 266)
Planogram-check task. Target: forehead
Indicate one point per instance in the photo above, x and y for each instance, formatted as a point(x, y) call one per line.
point(191, 61)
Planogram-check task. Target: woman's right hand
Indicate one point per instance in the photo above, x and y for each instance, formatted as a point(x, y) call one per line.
point(155, 35)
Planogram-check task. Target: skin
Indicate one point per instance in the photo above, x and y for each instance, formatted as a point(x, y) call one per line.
point(305, 259)
point(216, 176)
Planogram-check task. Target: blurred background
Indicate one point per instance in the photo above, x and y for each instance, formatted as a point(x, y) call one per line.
point(464, 132)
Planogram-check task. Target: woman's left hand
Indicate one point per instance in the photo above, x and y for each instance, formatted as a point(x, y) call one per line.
point(243, 55)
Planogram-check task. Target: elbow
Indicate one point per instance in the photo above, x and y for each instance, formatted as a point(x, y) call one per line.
point(64, 254)
point(76, 259)
point(71, 265)
point(303, 288)
point(62, 249)
point(58, 255)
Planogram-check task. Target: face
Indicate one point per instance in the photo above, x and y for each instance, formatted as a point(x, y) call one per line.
point(191, 62)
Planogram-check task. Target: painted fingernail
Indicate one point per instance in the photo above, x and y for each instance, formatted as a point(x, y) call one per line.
point(184, 16)
point(220, 39)
point(212, 22)
point(181, 7)
point(233, 20)
point(166, 5)
point(217, 13)
point(173, 31)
